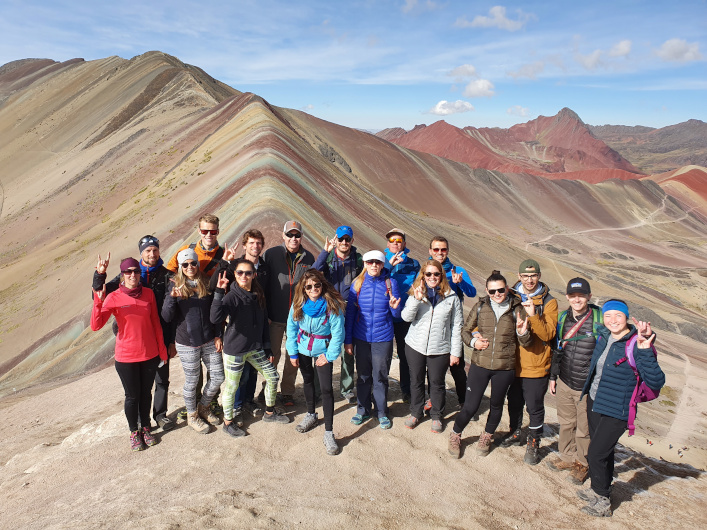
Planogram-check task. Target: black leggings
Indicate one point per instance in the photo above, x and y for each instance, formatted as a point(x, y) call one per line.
point(476, 385)
point(528, 391)
point(137, 379)
point(307, 366)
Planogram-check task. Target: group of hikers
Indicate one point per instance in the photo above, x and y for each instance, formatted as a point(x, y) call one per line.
point(232, 312)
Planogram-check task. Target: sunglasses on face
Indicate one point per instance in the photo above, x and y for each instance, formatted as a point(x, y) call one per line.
point(395, 240)
point(311, 286)
point(440, 250)
point(494, 291)
point(187, 264)
point(130, 272)
point(435, 274)
point(240, 272)
point(529, 276)
point(374, 262)
point(212, 232)
point(345, 239)
point(293, 236)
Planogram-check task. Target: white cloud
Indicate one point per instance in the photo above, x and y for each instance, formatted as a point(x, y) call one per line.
point(528, 70)
point(445, 108)
point(497, 19)
point(479, 88)
point(620, 49)
point(465, 70)
point(517, 110)
point(308, 108)
point(679, 50)
point(591, 61)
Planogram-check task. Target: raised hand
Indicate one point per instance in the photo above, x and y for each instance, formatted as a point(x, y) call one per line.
point(176, 292)
point(101, 294)
point(529, 307)
point(329, 244)
point(644, 328)
point(419, 291)
point(222, 281)
point(397, 258)
point(230, 253)
point(521, 325)
point(394, 302)
point(102, 265)
point(456, 276)
point(645, 342)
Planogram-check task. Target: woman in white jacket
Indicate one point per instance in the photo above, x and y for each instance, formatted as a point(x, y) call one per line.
point(433, 342)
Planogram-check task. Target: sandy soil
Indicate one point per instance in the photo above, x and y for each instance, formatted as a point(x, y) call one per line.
point(69, 447)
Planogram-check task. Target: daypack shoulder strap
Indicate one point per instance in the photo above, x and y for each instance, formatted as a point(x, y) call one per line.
point(215, 260)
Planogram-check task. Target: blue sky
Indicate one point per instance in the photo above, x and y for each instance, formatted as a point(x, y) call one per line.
point(373, 64)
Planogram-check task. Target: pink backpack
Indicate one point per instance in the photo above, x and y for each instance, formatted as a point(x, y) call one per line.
point(641, 393)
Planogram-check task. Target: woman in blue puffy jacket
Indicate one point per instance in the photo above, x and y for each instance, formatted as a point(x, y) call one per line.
point(315, 330)
point(609, 387)
point(373, 301)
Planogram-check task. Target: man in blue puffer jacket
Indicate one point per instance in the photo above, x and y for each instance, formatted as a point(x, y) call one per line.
point(403, 269)
point(609, 386)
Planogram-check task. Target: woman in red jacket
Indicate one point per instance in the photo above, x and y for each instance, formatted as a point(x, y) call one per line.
point(139, 345)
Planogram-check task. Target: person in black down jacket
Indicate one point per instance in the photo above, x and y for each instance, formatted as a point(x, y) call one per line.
point(577, 336)
point(197, 339)
point(609, 386)
point(247, 339)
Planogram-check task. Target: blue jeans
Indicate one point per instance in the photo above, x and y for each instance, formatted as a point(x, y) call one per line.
point(372, 367)
point(246, 386)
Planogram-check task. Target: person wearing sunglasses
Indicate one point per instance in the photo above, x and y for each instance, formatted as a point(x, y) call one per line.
point(433, 341)
point(286, 264)
point(154, 275)
point(403, 269)
point(138, 347)
point(460, 282)
point(188, 307)
point(341, 263)
point(495, 327)
point(374, 300)
point(533, 362)
point(315, 334)
point(207, 248)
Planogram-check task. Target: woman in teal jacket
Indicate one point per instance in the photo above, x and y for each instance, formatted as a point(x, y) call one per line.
point(315, 333)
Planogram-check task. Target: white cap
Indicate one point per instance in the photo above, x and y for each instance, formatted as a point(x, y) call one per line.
point(187, 254)
point(372, 255)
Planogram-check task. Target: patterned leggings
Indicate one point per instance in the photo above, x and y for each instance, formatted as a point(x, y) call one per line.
point(191, 363)
point(234, 368)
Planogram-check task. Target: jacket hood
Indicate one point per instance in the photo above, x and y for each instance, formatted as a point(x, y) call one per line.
point(543, 292)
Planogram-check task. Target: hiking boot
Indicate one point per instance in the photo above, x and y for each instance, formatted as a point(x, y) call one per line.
point(136, 443)
point(275, 417)
point(557, 464)
point(286, 400)
point(207, 414)
point(437, 426)
point(196, 423)
point(427, 408)
point(483, 446)
point(165, 423)
point(232, 430)
point(332, 448)
point(182, 415)
point(308, 422)
point(350, 397)
point(147, 437)
point(514, 438)
point(588, 495)
point(531, 451)
point(238, 416)
point(578, 474)
point(600, 508)
point(411, 422)
point(455, 444)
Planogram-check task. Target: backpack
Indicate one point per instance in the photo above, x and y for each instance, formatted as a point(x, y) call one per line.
point(642, 392)
point(214, 261)
point(596, 316)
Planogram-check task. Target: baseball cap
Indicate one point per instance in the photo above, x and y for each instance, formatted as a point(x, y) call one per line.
point(531, 264)
point(372, 255)
point(395, 231)
point(292, 225)
point(578, 285)
point(344, 230)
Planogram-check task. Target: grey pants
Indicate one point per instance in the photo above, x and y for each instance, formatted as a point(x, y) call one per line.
point(191, 363)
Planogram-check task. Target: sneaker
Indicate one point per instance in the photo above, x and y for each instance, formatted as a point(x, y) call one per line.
point(358, 419)
point(531, 451)
point(136, 443)
point(427, 408)
point(483, 446)
point(165, 423)
point(578, 474)
point(207, 414)
point(350, 397)
point(182, 415)
point(232, 430)
point(557, 464)
point(196, 423)
point(588, 495)
point(406, 398)
point(332, 448)
point(308, 422)
point(600, 508)
point(216, 409)
point(384, 422)
point(514, 438)
point(238, 416)
point(275, 417)
point(147, 437)
point(437, 426)
point(455, 444)
point(411, 422)
point(287, 400)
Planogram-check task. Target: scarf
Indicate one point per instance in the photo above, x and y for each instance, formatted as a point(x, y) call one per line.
point(148, 271)
point(537, 291)
point(315, 309)
point(133, 293)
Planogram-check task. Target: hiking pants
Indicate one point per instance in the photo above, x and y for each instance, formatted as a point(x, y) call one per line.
point(528, 391)
point(476, 384)
point(137, 379)
point(435, 366)
point(289, 372)
point(400, 329)
point(234, 368)
point(372, 360)
point(307, 366)
point(159, 405)
point(604, 432)
point(191, 357)
point(346, 380)
point(458, 372)
point(573, 443)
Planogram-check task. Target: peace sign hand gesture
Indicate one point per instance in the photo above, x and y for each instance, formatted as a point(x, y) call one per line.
point(222, 281)
point(102, 264)
point(419, 291)
point(645, 333)
point(521, 325)
point(394, 302)
point(456, 276)
point(329, 244)
point(230, 253)
point(397, 258)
